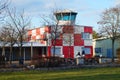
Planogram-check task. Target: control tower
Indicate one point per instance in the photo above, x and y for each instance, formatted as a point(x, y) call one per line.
point(65, 17)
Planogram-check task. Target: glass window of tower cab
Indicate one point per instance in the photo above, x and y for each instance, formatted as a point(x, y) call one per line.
point(66, 15)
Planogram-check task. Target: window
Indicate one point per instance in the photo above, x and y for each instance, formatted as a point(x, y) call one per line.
point(58, 17)
point(73, 17)
point(66, 17)
point(57, 51)
point(98, 50)
point(87, 50)
point(86, 35)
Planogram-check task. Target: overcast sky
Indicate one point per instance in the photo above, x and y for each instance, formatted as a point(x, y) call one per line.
point(88, 10)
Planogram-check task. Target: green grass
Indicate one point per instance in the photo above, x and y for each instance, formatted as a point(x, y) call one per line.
point(76, 74)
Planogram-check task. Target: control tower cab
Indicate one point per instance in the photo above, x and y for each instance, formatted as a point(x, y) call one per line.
point(65, 17)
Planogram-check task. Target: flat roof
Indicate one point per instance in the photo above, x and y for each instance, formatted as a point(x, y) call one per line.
point(64, 11)
point(25, 44)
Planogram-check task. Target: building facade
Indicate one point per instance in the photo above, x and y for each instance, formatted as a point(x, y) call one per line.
point(64, 39)
point(103, 46)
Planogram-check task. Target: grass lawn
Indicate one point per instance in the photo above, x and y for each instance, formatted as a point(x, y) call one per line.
point(73, 74)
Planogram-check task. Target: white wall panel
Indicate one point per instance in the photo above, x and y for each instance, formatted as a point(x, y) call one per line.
point(88, 42)
point(78, 29)
point(68, 40)
point(58, 29)
point(91, 36)
point(34, 32)
point(76, 50)
point(42, 30)
point(38, 37)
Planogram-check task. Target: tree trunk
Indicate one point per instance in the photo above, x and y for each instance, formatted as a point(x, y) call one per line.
point(20, 54)
point(54, 43)
point(113, 41)
point(10, 56)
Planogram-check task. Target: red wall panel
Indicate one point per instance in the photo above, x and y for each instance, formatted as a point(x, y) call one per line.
point(38, 31)
point(33, 37)
point(68, 51)
point(29, 32)
point(68, 29)
point(49, 51)
point(41, 36)
point(78, 40)
point(71, 52)
point(91, 50)
point(59, 42)
point(88, 29)
point(42, 41)
point(47, 29)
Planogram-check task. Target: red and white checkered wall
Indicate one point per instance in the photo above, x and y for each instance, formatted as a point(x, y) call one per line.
point(68, 48)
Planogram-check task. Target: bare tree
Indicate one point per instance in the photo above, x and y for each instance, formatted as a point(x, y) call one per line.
point(3, 5)
point(10, 37)
point(55, 30)
point(21, 24)
point(110, 25)
point(4, 40)
point(56, 33)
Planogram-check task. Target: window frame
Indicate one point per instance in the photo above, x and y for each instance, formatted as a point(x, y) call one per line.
point(59, 47)
point(85, 35)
